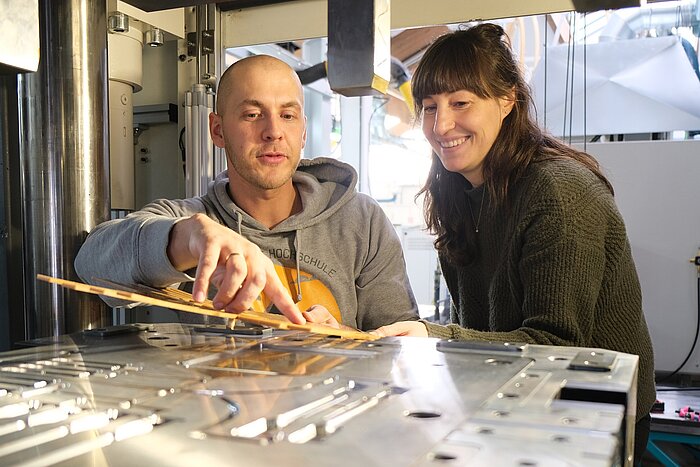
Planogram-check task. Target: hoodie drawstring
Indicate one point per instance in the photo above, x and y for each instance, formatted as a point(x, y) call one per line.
point(238, 219)
point(297, 247)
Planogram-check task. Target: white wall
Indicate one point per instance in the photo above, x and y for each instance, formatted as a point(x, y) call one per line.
point(657, 188)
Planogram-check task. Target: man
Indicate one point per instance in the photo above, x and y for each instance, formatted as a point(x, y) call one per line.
point(331, 246)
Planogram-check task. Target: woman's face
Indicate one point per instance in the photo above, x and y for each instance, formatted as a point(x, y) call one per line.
point(461, 127)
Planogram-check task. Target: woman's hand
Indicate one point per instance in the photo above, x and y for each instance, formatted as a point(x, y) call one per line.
point(402, 328)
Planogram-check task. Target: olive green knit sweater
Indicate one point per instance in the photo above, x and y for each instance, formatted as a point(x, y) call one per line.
point(556, 269)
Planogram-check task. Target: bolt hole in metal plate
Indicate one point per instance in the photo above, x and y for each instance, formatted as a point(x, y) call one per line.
point(423, 414)
point(440, 456)
point(453, 454)
point(496, 361)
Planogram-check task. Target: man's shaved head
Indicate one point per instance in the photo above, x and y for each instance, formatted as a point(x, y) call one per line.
point(260, 122)
point(242, 67)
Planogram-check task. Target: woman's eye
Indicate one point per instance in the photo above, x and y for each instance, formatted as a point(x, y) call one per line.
point(429, 109)
point(460, 104)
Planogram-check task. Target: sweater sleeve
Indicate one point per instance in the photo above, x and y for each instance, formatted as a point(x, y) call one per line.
point(384, 294)
point(558, 276)
point(133, 250)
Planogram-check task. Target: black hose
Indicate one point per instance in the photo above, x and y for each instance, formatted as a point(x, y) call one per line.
point(695, 341)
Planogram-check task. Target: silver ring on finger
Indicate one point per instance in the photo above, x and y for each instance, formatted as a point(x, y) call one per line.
point(230, 255)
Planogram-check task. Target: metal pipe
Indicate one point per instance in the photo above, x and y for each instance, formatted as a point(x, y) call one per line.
point(11, 279)
point(189, 145)
point(205, 30)
point(216, 69)
point(201, 18)
point(64, 158)
point(199, 148)
point(207, 146)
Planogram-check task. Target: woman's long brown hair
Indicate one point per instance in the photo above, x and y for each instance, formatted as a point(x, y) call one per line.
point(480, 61)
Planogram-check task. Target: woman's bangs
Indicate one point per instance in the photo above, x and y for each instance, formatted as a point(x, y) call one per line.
point(445, 70)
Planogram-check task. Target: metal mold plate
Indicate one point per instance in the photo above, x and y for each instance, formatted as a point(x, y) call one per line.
point(170, 396)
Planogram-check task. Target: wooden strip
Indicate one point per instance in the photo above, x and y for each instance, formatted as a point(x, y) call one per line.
point(179, 300)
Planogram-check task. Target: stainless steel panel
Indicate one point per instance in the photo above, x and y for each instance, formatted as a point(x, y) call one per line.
point(166, 395)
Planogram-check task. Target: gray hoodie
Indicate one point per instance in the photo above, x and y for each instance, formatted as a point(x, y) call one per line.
point(341, 245)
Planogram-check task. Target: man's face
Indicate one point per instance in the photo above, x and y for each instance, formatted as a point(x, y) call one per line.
point(261, 125)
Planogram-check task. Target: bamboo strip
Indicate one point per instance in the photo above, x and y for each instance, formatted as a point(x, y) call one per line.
point(179, 300)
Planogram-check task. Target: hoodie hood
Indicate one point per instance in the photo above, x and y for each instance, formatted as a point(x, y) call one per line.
point(324, 184)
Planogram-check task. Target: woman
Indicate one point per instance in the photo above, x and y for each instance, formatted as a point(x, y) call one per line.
point(531, 244)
